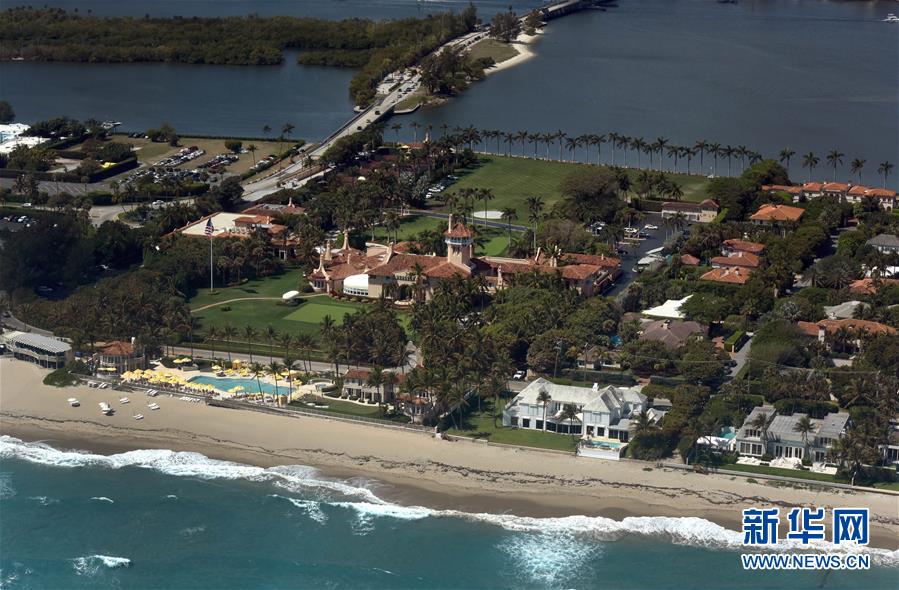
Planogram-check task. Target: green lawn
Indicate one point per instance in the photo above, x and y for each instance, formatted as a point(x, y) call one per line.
point(495, 240)
point(274, 286)
point(492, 48)
point(351, 409)
point(313, 310)
point(513, 180)
point(480, 425)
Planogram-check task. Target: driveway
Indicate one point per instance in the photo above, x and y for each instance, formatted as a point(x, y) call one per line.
point(655, 240)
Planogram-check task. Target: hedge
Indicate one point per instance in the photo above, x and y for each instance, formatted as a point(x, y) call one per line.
point(734, 341)
point(613, 377)
point(667, 381)
point(97, 176)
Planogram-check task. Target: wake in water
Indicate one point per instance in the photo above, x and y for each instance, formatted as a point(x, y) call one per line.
point(91, 565)
point(368, 506)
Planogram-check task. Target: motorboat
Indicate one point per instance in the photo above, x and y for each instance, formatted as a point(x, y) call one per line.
point(124, 400)
point(74, 402)
point(105, 408)
point(891, 18)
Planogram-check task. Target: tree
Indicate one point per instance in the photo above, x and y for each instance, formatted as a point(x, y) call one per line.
point(804, 426)
point(532, 22)
point(569, 414)
point(228, 333)
point(643, 423)
point(535, 208)
point(257, 370)
point(7, 114)
point(856, 167)
point(885, 168)
point(505, 26)
point(376, 380)
point(271, 335)
point(252, 149)
point(785, 155)
point(544, 398)
point(762, 422)
point(234, 146)
point(509, 215)
point(810, 161)
point(835, 158)
point(274, 369)
point(212, 334)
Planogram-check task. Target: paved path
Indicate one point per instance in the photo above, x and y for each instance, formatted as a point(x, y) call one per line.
point(741, 356)
point(226, 302)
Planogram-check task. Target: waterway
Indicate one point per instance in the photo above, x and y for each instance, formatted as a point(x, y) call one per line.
point(812, 75)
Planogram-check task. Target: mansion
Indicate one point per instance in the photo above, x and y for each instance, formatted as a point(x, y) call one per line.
point(391, 271)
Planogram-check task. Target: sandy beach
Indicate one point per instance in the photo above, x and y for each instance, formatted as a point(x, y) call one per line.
point(522, 44)
point(410, 468)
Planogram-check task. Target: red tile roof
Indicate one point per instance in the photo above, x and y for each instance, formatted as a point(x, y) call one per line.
point(881, 193)
point(733, 275)
point(745, 259)
point(744, 246)
point(771, 212)
point(357, 374)
point(460, 230)
point(782, 188)
point(868, 286)
point(840, 187)
point(812, 187)
point(851, 324)
point(600, 260)
point(117, 348)
point(689, 260)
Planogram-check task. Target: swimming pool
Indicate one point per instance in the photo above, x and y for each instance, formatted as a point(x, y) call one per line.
point(249, 385)
point(605, 445)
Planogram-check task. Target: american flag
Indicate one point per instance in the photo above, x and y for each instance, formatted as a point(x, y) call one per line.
point(209, 228)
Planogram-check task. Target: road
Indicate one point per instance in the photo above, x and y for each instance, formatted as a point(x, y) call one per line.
point(655, 240)
point(740, 357)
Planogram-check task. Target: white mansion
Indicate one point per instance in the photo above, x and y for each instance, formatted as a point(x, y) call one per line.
point(605, 412)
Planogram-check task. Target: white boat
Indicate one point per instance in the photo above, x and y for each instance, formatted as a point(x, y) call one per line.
point(74, 402)
point(153, 406)
point(891, 18)
point(138, 416)
point(105, 408)
point(124, 400)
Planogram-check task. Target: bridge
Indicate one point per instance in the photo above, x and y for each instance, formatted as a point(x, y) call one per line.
point(384, 107)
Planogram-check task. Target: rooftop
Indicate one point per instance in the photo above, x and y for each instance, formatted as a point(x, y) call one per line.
point(773, 212)
point(44, 343)
point(730, 274)
point(589, 399)
point(744, 246)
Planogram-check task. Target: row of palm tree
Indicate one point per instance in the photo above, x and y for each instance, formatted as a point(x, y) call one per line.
point(249, 336)
point(626, 145)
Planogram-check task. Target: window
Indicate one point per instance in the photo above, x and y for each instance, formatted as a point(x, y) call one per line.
point(538, 424)
point(525, 422)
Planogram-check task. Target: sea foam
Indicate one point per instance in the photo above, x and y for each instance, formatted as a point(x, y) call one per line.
point(368, 506)
point(90, 565)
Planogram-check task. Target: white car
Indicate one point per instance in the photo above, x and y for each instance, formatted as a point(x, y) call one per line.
point(518, 376)
point(650, 226)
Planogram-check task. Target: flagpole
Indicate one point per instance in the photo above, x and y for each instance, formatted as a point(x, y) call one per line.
point(210, 264)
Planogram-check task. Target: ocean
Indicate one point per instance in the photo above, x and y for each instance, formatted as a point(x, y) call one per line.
point(161, 519)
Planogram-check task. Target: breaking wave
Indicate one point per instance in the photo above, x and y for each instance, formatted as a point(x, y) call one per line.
point(43, 500)
point(90, 565)
point(368, 506)
point(103, 499)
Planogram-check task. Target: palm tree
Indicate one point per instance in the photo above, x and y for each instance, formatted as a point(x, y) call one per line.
point(257, 370)
point(228, 332)
point(741, 152)
point(643, 424)
point(804, 426)
point(305, 343)
point(535, 208)
point(376, 380)
point(599, 140)
point(252, 149)
point(785, 155)
point(714, 150)
point(266, 130)
point(485, 195)
point(623, 142)
point(763, 422)
point(274, 370)
point(286, 130)
point(613, 141)
point(509, 215)
point(390, 382)
point(700, 148)
point(571, 144)
point(810, 160)
point(522, 136)
point(728, 152)
point(249, 333)
point(569, 414)
point(560, 136)
point(535, 138)
point(397, 127)
point(271, 334)
point(885, 168)
point(544, 398)
point(835, 158)
point(658, 146)
point(212, 334)
point(855, 166)
point(415, 125)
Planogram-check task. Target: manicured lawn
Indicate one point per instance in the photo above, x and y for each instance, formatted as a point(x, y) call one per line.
point(888, 486)
point(499, 51)
point(351, 409)
point(258, 314)
point(480, 425)
point(410, 226)
point(273, 286)
point(314, 309)
point(765, 470)
point(513, 180)
point(495, 245)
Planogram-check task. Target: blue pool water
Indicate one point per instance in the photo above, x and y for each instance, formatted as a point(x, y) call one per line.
point(249, 385)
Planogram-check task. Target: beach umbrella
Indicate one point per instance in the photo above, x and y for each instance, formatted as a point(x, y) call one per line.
point(216, 368)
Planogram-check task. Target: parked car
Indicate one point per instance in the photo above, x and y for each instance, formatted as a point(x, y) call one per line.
point(518, 376)
point(650, 226)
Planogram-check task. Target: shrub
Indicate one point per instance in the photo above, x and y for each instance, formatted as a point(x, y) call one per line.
point(60, 378)
point(225, 308)
point(78, 367)
point(767, 457)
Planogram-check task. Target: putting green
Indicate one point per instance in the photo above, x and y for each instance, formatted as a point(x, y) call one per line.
point(313, 310)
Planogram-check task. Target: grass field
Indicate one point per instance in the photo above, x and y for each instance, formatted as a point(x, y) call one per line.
point(513, 180)
point(314, 310)
point(149, 152)
point(492, 48)
point(274, 286)
point(765, 470)
point(352, 409)
point(480, 425)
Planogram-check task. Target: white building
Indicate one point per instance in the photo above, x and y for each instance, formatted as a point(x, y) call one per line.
point(604, 412)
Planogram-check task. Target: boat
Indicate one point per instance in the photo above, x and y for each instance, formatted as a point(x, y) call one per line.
point(153, 406)
point(138, 416)
point(105, 408)
point(74, 402)
point(124, 400)
point(891, 18)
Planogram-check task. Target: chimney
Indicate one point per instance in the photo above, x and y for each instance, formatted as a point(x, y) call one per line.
point(346, 240)
point(327, 253)
point(449, 225)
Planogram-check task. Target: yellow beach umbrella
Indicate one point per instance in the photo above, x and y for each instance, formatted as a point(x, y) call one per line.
point(216, 368)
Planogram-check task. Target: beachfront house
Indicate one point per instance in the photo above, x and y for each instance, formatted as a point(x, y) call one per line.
point(48, 352)
point(356, 386)
point(782, 439)
point(118, 357)
point(704, 212)
point(602, 412)
point(884, 243)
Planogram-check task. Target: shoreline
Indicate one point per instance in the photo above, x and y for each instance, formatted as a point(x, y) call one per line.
point(408, 468)
point(522, 44)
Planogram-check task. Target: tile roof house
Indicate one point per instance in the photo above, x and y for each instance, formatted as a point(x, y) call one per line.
point(703, 212)
point(741, 259)
point(733, 246)
point(869, 286)
point(402, 276)
point(770, 213)
point(855, 330)
point(672, 333)
point(121, 356)
point(689, 260)
point(734, 275)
